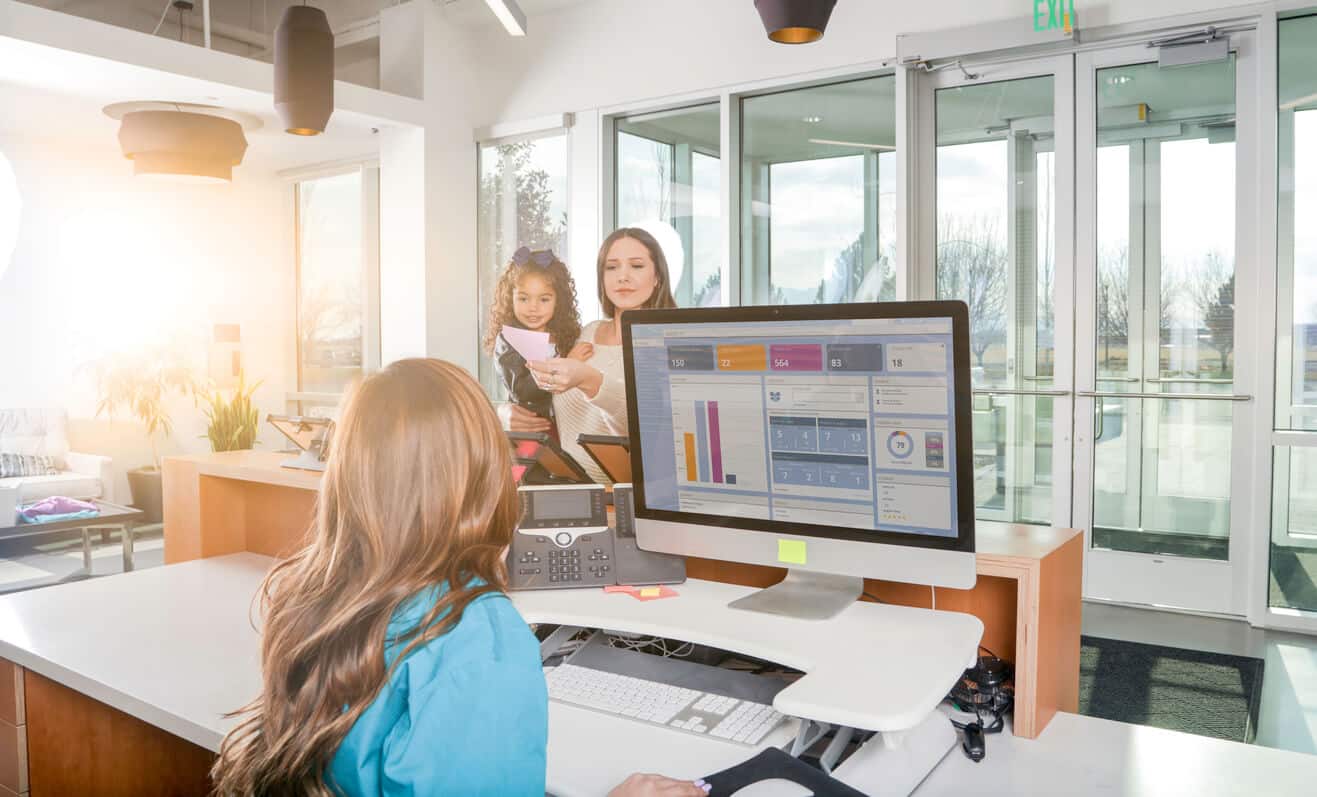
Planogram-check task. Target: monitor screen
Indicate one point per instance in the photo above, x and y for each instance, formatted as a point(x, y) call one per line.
point(844, 424)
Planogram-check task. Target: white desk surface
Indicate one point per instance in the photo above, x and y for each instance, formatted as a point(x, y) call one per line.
point(1090, 757)
point(875, 666)
point(175, 647)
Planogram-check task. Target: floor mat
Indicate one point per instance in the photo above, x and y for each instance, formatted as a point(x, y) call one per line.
point(1210, 694)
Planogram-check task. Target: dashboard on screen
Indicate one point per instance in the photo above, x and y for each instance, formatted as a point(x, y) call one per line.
point(838, 423)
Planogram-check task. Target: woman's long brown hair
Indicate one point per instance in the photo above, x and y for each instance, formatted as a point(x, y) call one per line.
point(418, 492)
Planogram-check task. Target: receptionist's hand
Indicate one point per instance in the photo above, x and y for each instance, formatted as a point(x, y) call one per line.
point(520, 419)
point(658, 786)
point(561, 374)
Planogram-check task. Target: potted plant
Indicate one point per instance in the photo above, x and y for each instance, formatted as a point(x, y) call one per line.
point(233, 421)
point(139, 384)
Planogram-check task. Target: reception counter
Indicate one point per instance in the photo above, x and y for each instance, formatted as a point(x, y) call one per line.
point(235, 501)
point(1028, 593)
point(120, 686)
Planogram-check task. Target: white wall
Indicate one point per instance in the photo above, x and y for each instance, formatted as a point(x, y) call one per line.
point(607, 52)
point(428, 190)
point(106, 262)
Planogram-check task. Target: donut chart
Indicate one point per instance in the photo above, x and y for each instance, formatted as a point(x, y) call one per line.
point(900, 445)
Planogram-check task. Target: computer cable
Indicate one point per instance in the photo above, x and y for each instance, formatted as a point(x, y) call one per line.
point(984, 691)
point(657, 645)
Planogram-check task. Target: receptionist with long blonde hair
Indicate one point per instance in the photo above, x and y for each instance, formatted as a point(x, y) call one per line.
point(392, 661)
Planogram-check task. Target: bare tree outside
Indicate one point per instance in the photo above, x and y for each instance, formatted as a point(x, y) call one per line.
point(1113, 312)
point(533, 203)
point(652, 195)
point(852, 274)
point(1211, 288)
point(710, 293)
point(331, 296)
point(971, 266)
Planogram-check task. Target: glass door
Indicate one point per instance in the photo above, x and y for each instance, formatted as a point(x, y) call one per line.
point(997, 178)
point(1158, 479)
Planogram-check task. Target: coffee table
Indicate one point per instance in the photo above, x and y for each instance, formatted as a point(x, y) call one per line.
point(112, 515)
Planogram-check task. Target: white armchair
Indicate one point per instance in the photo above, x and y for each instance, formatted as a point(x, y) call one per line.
point(45, 432)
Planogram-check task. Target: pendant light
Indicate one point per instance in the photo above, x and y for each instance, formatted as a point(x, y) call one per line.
point(304, 70)
point(182, 141)
point(795, 21)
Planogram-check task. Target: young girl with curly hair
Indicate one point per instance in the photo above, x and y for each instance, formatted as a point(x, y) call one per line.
point(536, 292)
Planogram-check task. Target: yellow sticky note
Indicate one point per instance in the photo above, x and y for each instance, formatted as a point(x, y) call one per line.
point(791, 551)
point(650, 592)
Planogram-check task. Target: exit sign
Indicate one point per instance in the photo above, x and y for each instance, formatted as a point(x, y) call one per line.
point(1053, 15)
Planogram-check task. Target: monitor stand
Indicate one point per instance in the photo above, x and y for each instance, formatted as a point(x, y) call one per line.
point(307, 460)
point(804, 595)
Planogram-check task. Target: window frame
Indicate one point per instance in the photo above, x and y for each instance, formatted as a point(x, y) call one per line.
point(299, 399)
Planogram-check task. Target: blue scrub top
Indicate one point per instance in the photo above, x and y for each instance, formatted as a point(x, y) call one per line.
point(465, 714)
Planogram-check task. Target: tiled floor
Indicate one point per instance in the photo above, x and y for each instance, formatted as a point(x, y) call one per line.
point(1287, 717)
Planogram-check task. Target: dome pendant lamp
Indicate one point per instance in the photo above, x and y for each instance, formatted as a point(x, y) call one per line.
point(304, 70)
point(795, 21)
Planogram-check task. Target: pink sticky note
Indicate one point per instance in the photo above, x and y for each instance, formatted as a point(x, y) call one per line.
point(644, 593)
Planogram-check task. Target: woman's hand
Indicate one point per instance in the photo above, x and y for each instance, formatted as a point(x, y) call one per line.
point(561, 374)
point(582, 351)
point(519, 419)
point(658, 786)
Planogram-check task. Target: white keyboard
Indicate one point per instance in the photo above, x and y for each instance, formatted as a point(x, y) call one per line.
point(661, 704)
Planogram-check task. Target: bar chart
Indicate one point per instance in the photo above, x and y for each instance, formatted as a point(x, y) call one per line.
point(719, 443)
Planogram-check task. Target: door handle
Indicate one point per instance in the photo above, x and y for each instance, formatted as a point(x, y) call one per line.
point(1007, 391)
point(1100, 406)
point(1187, 396)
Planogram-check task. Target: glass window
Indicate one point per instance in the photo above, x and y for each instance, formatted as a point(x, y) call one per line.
point(818, 171)
point(522, 202)
point(996, 251)
point(669, 172)
point(1293, 581)
point(337, 251)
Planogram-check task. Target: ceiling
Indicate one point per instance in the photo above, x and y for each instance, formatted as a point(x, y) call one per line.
point(260, 16)
point(475, 14)
point(790, 125)
point(60, 95)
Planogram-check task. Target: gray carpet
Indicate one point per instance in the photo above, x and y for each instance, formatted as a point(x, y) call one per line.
point(1210, 694)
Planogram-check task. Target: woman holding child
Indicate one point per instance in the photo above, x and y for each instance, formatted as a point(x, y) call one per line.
point(586, 381)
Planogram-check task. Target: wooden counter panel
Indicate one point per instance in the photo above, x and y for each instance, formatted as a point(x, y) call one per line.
point(1060, 597)
point(13, 757)
point(77, 745)
point(276, 518)
point(993, 600)
point(11, 693)
point(220, 504)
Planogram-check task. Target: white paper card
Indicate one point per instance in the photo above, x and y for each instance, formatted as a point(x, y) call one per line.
point(533, 346)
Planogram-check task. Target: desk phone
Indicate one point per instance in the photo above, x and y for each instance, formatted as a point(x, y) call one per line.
point(634, 565)
point(564, 541)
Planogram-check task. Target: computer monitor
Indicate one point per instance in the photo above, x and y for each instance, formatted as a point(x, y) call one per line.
point(832, 439)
